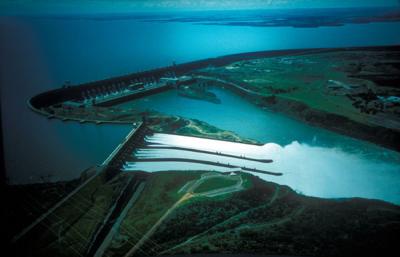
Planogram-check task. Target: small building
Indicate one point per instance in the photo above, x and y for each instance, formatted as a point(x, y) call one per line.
point(186, 80)
point(136, 86)
point(71, 104)
point(169, 81)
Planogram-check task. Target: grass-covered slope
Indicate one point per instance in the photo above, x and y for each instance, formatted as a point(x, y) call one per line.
point(160, 193)
point(214, 184)
point(273, 219)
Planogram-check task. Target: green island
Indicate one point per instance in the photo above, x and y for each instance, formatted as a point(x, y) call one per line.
point(198, 91)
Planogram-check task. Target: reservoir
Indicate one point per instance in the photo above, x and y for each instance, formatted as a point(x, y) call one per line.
point(316, 162)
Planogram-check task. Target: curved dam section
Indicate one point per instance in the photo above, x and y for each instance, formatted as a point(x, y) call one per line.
point(75, 92)
point(72, 92)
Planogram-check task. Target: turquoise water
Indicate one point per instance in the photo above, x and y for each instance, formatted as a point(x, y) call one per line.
point(246, 119)
point(50, 51)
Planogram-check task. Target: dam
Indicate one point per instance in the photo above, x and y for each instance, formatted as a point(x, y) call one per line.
point(300, 149)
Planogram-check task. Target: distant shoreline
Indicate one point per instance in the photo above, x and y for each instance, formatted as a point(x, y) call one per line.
point(279, 17)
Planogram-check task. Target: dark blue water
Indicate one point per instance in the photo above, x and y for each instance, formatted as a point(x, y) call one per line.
point(40, 54)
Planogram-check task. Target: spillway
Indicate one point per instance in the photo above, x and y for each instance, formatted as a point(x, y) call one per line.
point(175, 152)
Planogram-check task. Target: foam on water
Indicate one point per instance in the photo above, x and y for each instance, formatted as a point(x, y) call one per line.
point(312, 170)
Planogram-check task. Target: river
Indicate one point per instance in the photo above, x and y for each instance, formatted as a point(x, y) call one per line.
point(313, 161)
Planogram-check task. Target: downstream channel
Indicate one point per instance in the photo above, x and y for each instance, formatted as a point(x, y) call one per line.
point(313, 161)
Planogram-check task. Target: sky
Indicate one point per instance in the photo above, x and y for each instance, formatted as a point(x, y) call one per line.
point(176, 5)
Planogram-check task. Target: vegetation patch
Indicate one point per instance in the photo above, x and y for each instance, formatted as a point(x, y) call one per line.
point(272, 219)
point(215, 183)
point(160, 194)
point(357, 85)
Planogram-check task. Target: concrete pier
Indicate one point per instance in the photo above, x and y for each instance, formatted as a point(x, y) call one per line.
point(117, 158)
point(160, 152)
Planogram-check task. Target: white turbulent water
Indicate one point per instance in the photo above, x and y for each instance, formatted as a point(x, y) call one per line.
point(312, 170)
point(252, 151)
point(165, 166)
point(172, 153)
